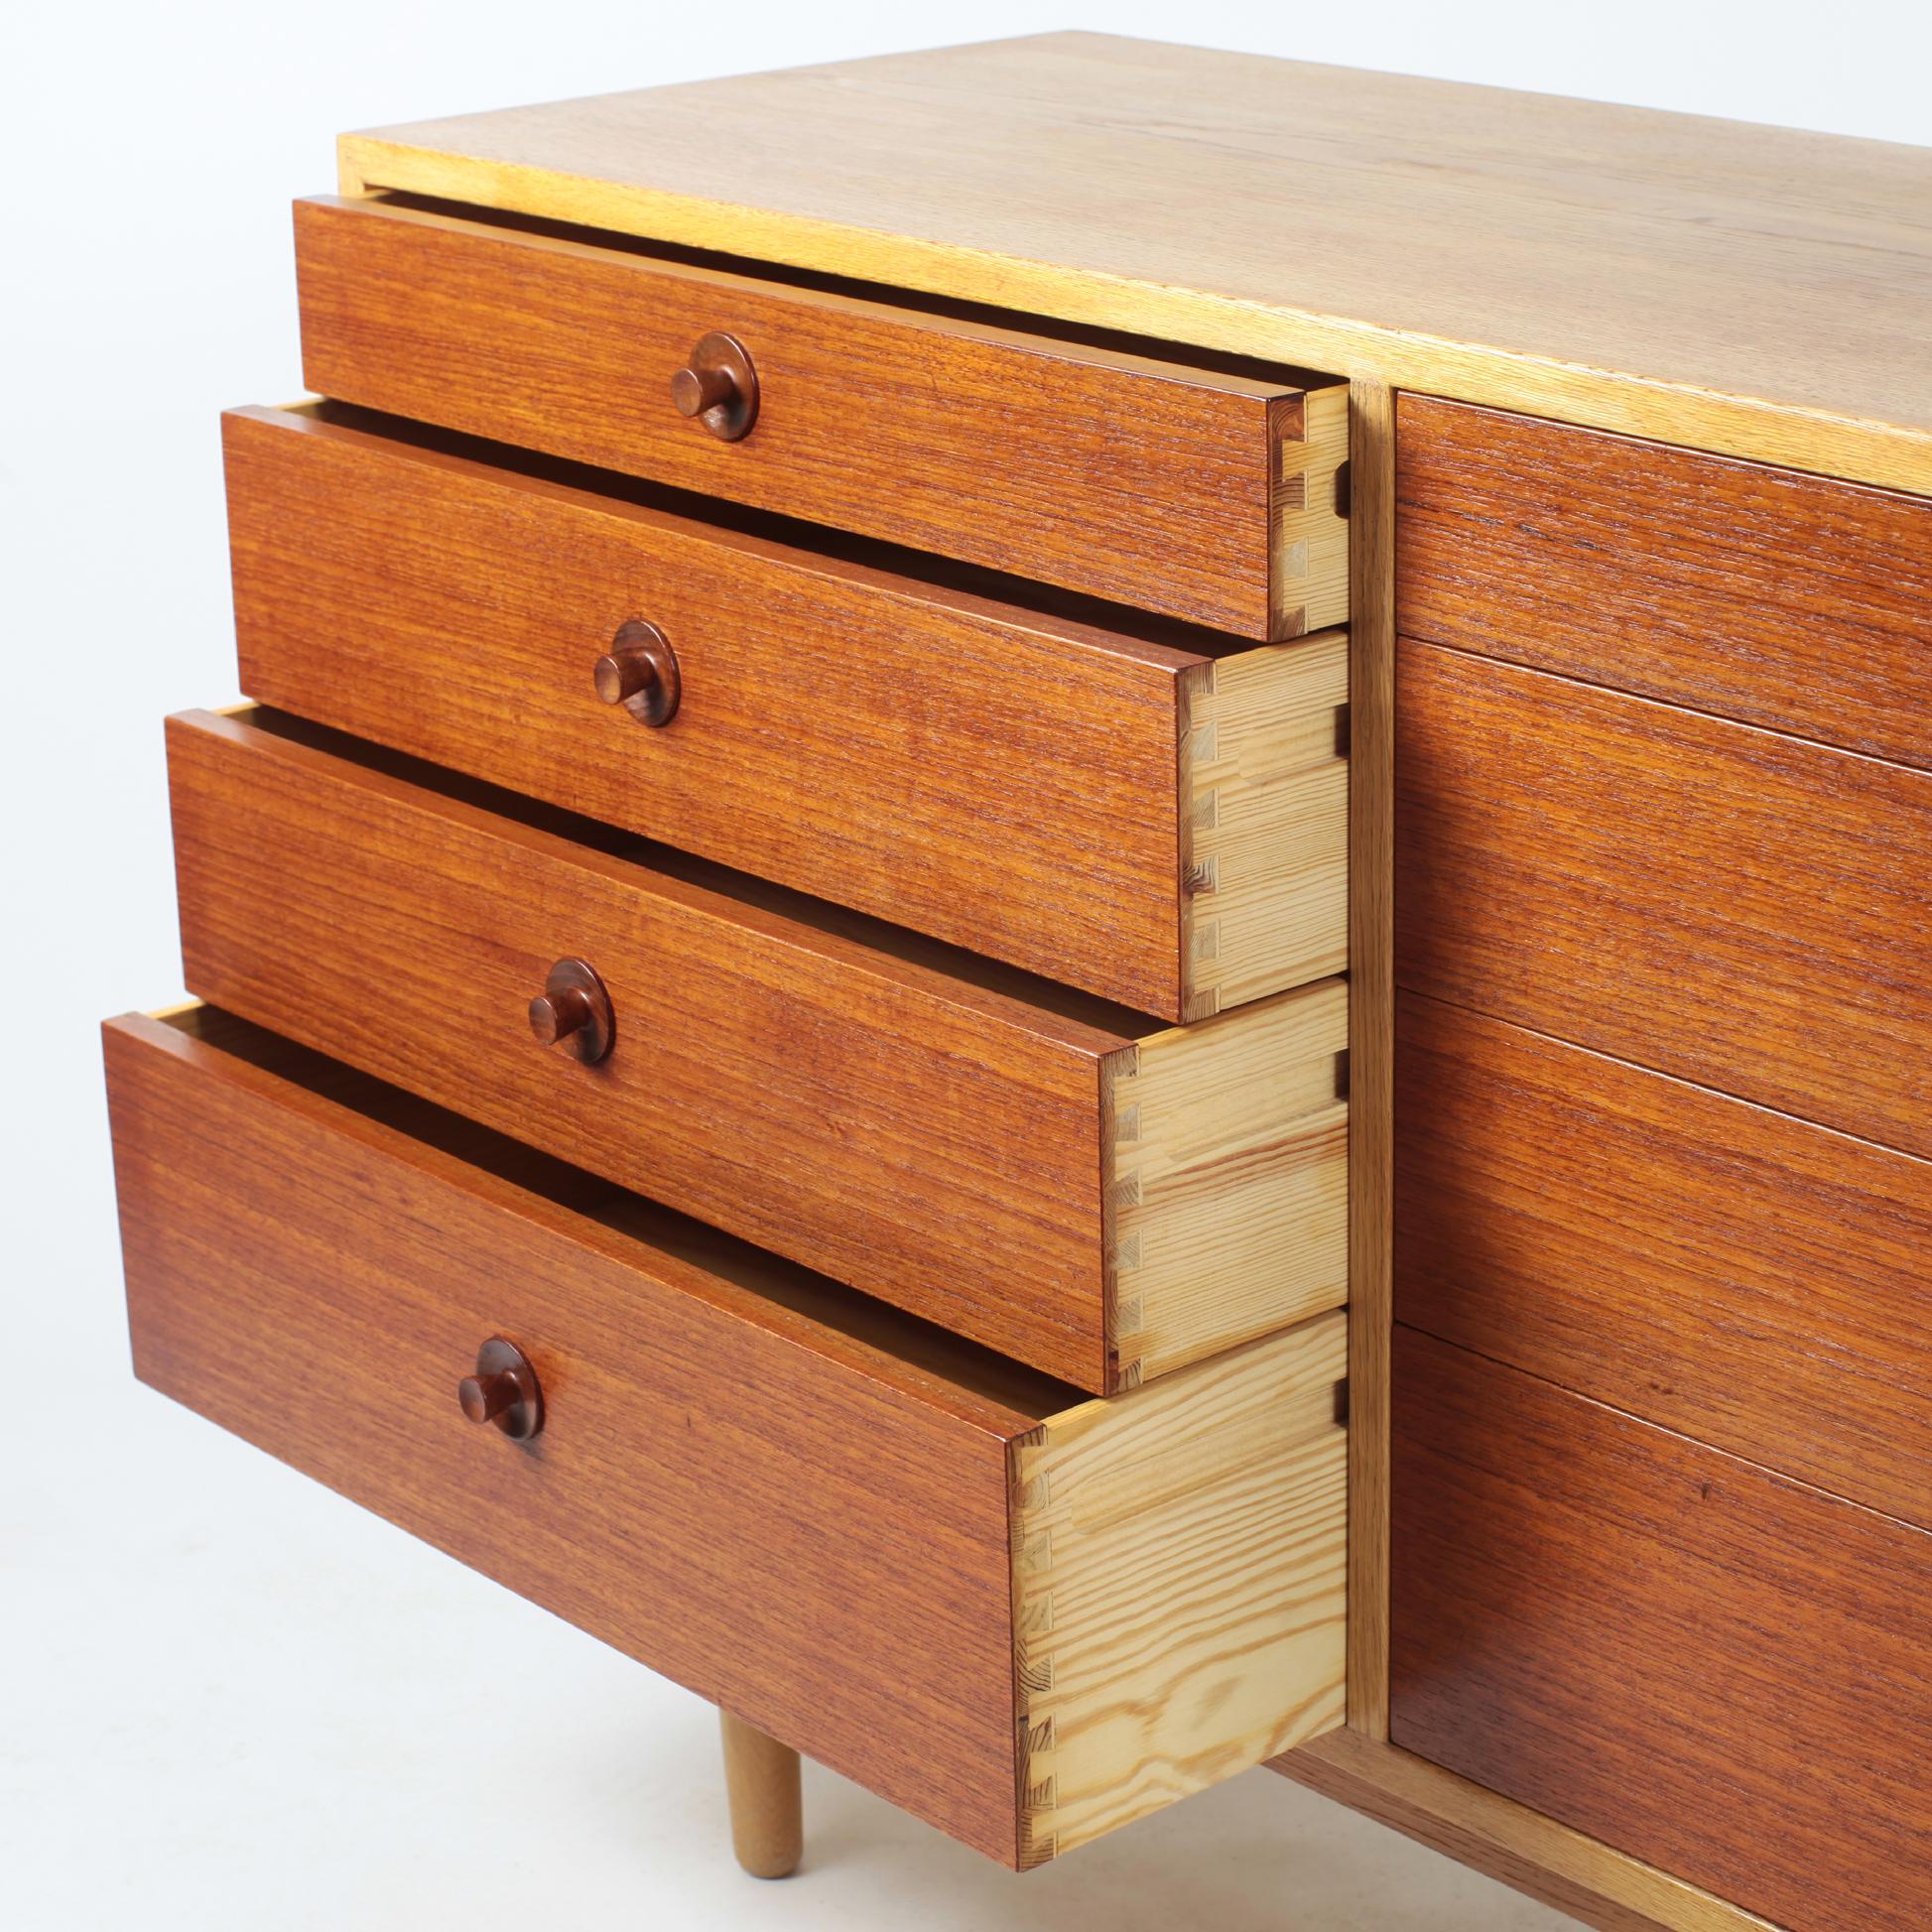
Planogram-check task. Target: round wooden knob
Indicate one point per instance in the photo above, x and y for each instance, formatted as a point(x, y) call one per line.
point(641, 673)
point(695, 390)
point(556, 1016)
point(503, 1391)
point(719, 387)
point(573, 1009)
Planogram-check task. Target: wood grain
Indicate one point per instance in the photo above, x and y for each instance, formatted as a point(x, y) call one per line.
point(1753, 593)
point(1599, 264)
point(1019, 783)
point(1716, 1669)
point(1564, 1867)
point(1725, 905)
point(1156, 484)
point(871, 1556)
point(1731, 1273)
point(899, 1116)
point(705, 1449)
point(1263, 821)
point(1180, 1579)
point(1226, 1194)
point(1371, 1118)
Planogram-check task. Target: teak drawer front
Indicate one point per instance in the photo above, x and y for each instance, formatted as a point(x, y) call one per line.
point(1019, 1165)
point(1735, 1274)
point(1720, 1671)
point(1025, 1618)
point(1791, 601)
point(1157, 826)
point(1743, 910)
point(1206, 496)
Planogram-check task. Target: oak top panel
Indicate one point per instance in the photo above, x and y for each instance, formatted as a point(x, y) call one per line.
point(1759, 291)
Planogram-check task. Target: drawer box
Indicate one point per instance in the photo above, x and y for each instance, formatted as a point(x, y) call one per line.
point(1052, 1176)
point(1162, 824)
point(1204, 495)
point(1025, 1618)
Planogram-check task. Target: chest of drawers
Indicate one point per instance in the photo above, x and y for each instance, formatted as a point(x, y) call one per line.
point(1061, 1056)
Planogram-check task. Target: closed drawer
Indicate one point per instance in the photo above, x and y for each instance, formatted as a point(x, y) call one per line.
point(1165, 827)
point(1056, 1177)
point(1025, 1618)
point(1161, 483)
point(1721, 1672)
point(1726, 905)
point(1735, 1274)
point(1764, 594)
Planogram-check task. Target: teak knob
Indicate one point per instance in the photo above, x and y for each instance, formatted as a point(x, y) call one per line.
point(503, 1391)
point(641, 673)
point(573, 1009)
point(719, 387)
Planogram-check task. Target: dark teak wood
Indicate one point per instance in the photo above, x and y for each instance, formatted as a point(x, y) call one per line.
point(1787, 601)
point(1718, 1670)
point(928, 1139)
point(999, 778)
point(781, 1516)
point(641, 673)
point(719, 386)
point(1147, 481)
point(504, 1390)
point(1724, 903)
point(574, 1009)
point(1733, 1273)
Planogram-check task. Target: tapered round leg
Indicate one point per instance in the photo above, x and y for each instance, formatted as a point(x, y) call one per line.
point(761, 1778)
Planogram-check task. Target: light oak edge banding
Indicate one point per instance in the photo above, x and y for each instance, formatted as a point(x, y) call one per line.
point(1365, 353)
point(1372, 1046)
point(1519, 1848)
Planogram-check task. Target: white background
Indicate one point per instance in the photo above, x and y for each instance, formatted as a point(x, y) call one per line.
point(227, 1699)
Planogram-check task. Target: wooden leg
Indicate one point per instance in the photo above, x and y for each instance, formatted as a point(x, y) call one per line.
point(761, 1778)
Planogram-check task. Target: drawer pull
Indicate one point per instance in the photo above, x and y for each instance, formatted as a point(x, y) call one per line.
point(504, 1390)
point(574, 1009)
point(719, 387)
point(641, 673)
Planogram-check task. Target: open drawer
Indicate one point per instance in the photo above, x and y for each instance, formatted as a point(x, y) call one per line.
point(1100, 1196)
point(1135, 809)
point(1155, 477)
point(1025, 1616)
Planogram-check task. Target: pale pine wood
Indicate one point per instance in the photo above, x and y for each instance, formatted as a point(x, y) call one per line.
point(1180, 1578)
point(1265, 822)
point(1371, 1047)
point(761, 1783)
point(1521, 1848)
point(1612, 266)
point(1308, 535)
point(1225, 1179)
